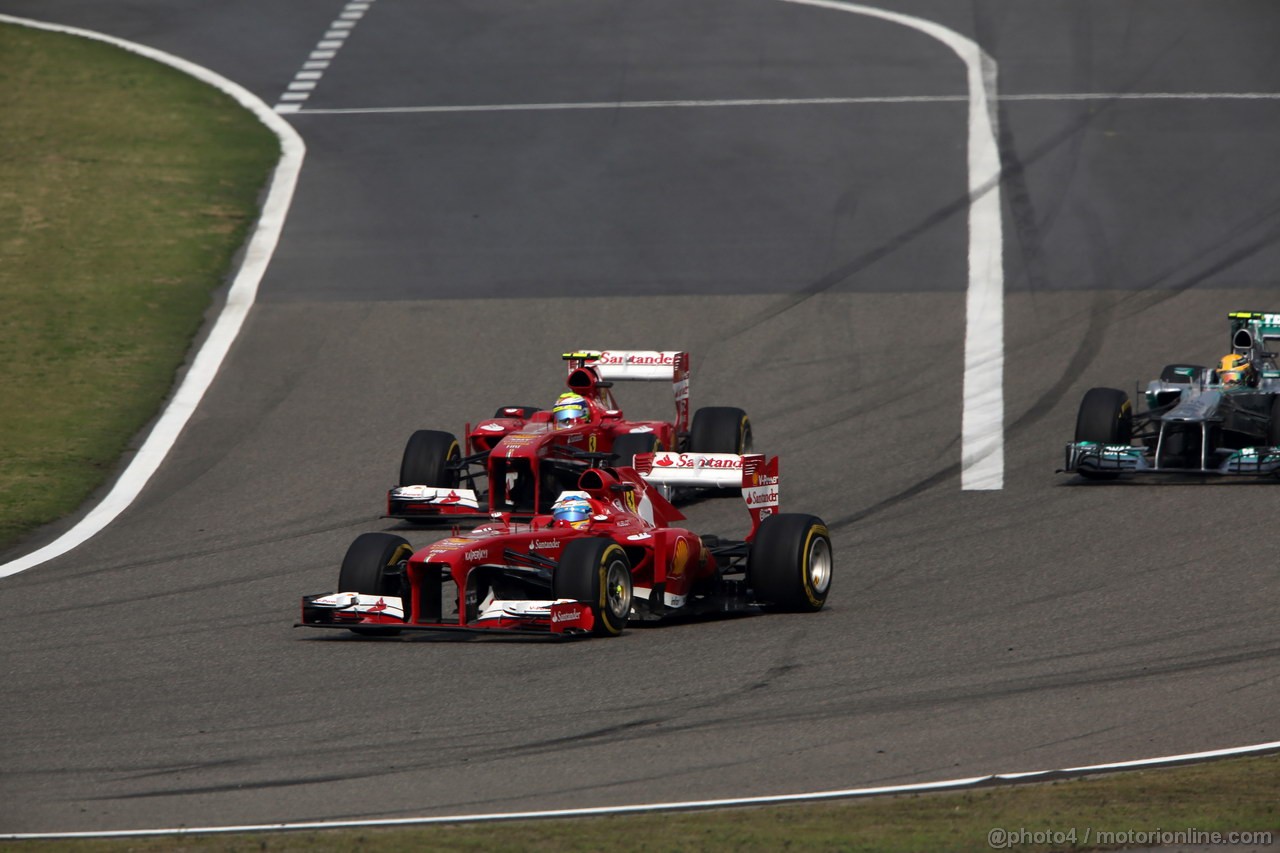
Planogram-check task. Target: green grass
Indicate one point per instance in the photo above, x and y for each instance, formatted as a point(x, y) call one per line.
point(126, 188)
point(1225, 796)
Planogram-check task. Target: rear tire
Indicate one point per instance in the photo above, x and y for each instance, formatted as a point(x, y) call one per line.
point(430, 459)
point(720, 429)
point(1273, 428)
point(625, 447)
point(364, 570)
point(598, 573)
point(790, 564)
point(1105, 417)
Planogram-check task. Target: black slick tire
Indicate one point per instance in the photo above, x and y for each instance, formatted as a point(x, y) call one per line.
point(789, 568)
point(598, 573)
point(430, 458)
point(365, 569)
point(720, 429)
point(1105, 417)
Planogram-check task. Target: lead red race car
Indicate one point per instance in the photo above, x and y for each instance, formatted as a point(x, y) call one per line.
point(611, 551)
point(521, 459)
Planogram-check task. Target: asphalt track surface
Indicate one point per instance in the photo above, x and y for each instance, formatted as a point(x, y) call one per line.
point(812, 258)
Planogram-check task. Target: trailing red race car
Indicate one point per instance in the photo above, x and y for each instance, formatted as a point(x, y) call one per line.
point(519, 460)
point(608, 553)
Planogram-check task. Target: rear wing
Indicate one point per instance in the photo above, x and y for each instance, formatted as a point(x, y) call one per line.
point(1262, 325)
point(756, 476)
point(641, 365)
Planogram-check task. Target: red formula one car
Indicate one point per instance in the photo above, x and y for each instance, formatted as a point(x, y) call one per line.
point(608, 553)
point(519, 460)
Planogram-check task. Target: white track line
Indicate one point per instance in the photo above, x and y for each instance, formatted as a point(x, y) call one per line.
point(789, 102)
point(982, 424)
point(240, 298)
point(687, 805)
point(306, 80)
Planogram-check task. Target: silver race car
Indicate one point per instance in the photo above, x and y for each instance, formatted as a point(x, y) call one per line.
point(1198, 420)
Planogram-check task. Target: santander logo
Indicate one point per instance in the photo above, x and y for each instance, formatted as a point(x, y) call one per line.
point(648, 358)
point(698, 461)
point(566, 615)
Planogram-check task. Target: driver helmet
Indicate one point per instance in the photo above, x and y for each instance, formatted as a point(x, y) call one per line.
point(574, 510)
point(1235, 369)
point(569, 409)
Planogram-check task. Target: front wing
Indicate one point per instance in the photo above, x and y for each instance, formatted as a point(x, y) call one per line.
point(561, 618)
point(426, 503)
point(1089, 457)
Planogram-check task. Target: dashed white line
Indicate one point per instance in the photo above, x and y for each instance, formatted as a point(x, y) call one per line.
point(306, 80)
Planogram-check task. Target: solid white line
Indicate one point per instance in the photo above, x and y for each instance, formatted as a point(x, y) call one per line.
point(635, 105)
point(1146, 96)
point(687, 805)
point(240, 298)
point(787, 102)
point(982, 424)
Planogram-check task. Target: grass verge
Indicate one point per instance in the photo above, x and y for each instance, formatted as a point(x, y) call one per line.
point(1237, 795)
point(126, 188)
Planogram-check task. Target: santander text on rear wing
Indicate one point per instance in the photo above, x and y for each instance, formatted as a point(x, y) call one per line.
point(755, 475)
point(641, 365)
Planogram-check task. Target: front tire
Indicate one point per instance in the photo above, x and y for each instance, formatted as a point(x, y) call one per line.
point(1105, 417)
point(598, 573)
point(720, 429)
point(430, 459)
point(365, 569)
point(790, 563)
